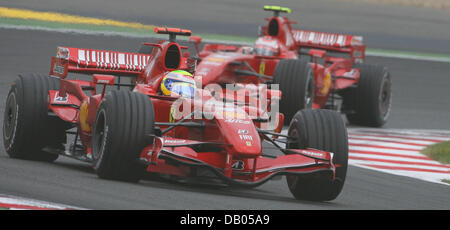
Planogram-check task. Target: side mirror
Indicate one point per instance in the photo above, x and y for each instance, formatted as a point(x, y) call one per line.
point(104, 80)
point(195, 39)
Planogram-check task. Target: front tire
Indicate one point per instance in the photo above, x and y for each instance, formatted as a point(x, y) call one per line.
point(27, 127)
point(122, 127)
point(296, 82)
point(324, 130)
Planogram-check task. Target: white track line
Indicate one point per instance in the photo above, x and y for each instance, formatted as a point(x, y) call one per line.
point(401, 160)
point(14, 202)
point(398, 167)
point(385, 144)
point(370, 154)
point(383, 149)
point(396, 139)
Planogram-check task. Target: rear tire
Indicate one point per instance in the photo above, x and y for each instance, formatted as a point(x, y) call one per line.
point(323, 130)
point(296, 82)
point(370, 103)
point(123, 122)
point(27, 128)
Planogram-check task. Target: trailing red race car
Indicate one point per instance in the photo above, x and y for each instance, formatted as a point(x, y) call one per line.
point(124, 133)
point(333, 77)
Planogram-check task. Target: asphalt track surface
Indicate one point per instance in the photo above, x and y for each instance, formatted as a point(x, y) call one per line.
point(383, 26)
point(421, 100)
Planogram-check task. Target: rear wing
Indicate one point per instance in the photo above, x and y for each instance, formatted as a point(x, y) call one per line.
point(92, 61)
point(331, 41)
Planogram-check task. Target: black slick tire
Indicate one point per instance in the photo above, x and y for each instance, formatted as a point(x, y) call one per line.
point(370, 103)
point(123, 123)
point(296, 82)
point(323, 130)
point(27, 126)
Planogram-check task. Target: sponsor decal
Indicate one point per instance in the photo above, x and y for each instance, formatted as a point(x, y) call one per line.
point(171, 141)
point(202, 71)
point(319, 38)
point(314, 154)
point(62, 52)
point(246, 137)
point(59, 99)
point(58, 69)
point(102, 81)
point(110, 59)
point(213, 63)
point(237, 121)
point(242, 131)
point(357, 41)
point(238, 165)
point(248, 143)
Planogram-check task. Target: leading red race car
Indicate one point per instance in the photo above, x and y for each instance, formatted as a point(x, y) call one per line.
point(124, 133)
point(335, 76)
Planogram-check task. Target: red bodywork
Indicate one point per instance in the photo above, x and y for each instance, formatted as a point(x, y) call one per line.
point(218, 147)
point(331, 73)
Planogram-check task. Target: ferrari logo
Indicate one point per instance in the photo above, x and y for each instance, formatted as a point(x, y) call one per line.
point(172, 114)
point(327, 84)
point(83, 117)
point(262, 67)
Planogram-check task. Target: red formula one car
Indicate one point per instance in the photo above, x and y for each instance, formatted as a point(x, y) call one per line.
point(124, 133)
point(313, 70)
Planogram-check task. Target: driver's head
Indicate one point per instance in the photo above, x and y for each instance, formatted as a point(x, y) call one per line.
point(178, 83)
point(266, 46)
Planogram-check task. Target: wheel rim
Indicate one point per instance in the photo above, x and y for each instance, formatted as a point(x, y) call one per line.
point(292, 133)
point(99, 136)
point(10, 116)
point(309, 94)
point(385, 98)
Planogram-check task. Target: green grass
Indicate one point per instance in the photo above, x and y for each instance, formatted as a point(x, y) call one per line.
point(439, 152)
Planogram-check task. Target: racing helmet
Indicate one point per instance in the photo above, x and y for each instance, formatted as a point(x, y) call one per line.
point(266, 46)
point(178, 82)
